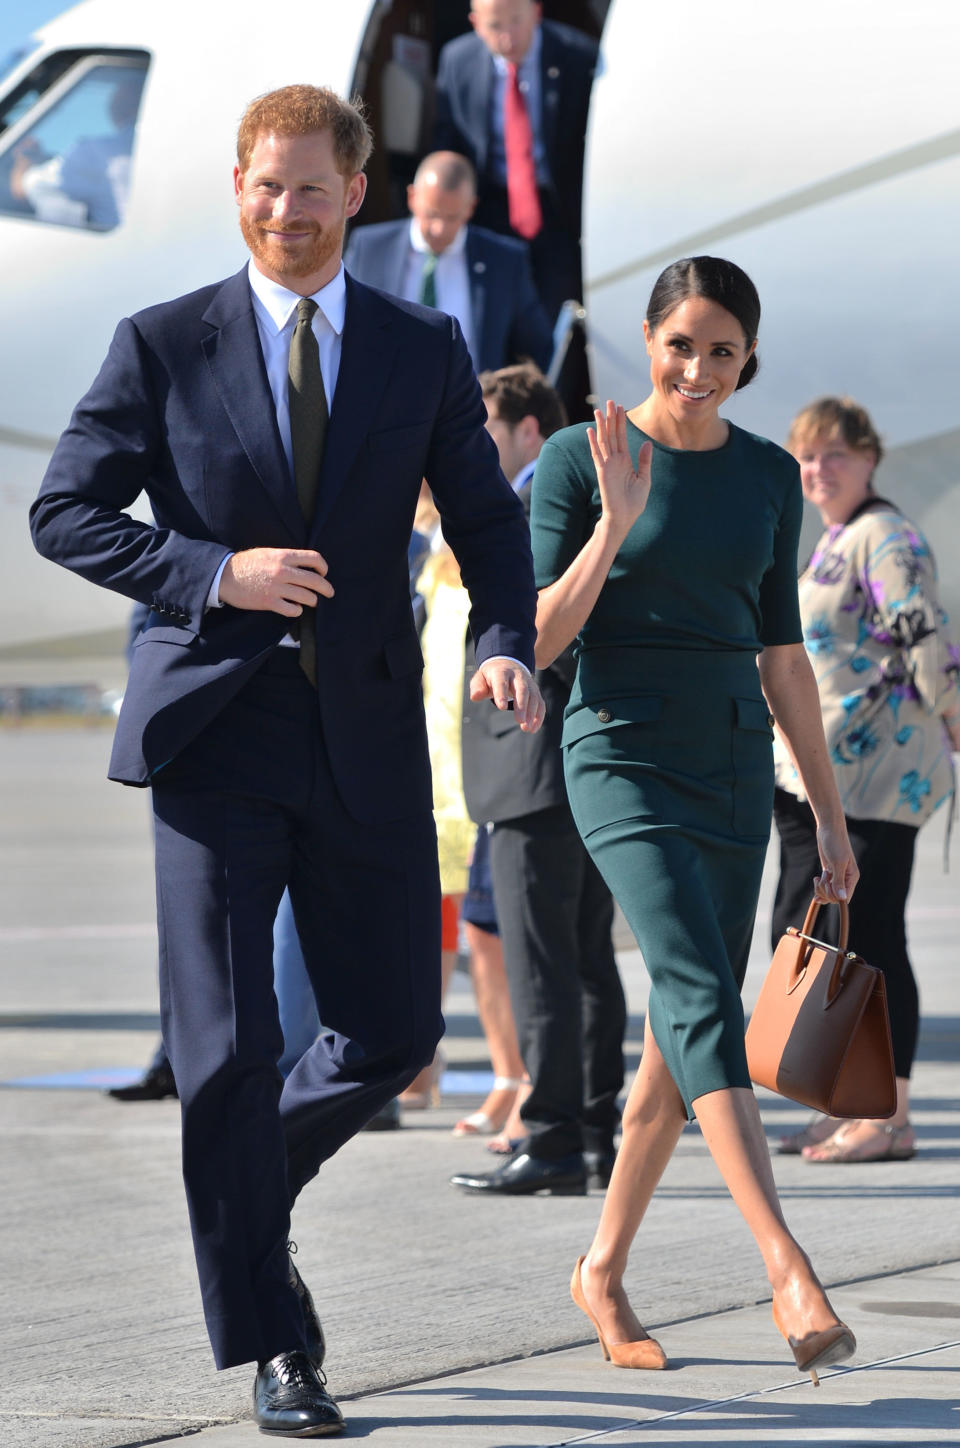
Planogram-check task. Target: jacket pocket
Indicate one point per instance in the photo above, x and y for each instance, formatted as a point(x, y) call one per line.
point(395, 438)
point(402, 655)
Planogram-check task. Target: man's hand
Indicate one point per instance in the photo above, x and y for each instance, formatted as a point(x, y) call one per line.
point(503, 681)
point(275, 580)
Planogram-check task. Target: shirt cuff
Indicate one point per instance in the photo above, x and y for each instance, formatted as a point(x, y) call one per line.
point(506, 659)
point(213, 597)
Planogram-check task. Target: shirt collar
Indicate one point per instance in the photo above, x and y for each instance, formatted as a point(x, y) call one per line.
point(278, 304)
point(523, 476)
point(454, 249)
point(529, 62)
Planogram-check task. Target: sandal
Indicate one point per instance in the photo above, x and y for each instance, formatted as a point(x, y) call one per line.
point(818, 1129)
point(895, 1143)
point(489, 1120)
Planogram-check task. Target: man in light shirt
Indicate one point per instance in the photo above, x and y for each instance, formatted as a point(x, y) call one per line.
point(438, 258)
point(280, 423)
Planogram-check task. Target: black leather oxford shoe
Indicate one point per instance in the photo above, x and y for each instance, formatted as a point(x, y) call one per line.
point(316, 1343)
point(522, 1175)
point(153, 1085)
point(290, 1399)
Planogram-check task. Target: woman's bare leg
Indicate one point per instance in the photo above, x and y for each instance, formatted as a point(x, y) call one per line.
point(653, 1119)
point(731, 1126)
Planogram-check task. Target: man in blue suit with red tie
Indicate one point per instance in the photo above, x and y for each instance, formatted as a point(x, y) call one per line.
point(513, 96)
point(280, 423)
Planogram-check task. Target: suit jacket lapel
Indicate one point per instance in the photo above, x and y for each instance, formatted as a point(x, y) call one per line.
point(366, 357)
point(478, 104)
point(235, 359)
point(396, 269)
point(479, 280)
point(551, 78)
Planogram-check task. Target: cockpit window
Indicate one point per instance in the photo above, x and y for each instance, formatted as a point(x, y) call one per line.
point(11, 59)
point(67, 146)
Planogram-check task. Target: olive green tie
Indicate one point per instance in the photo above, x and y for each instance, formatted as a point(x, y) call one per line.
point(428, 281)
point(308, 431)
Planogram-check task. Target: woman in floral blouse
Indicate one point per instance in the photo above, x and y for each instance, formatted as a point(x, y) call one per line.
point(888, 680)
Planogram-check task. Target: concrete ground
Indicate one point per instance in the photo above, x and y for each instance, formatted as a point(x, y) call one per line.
point(448, 1316)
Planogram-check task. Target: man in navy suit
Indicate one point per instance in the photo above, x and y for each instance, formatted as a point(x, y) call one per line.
point(436, 257)
point(274, 764)
point(551, 67)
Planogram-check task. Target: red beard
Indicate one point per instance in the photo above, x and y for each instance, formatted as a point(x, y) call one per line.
point(308, 257)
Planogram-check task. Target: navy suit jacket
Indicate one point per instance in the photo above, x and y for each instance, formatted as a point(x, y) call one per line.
point(182, 410)
point(509, 322)
point(568, 60)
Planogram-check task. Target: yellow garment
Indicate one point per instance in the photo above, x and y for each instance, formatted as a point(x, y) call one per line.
point(443, 638)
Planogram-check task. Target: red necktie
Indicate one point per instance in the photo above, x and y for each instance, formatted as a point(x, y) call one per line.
point(523, 203)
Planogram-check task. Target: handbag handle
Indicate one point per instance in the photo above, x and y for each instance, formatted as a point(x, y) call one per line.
point(810, 920)
point(806, 941)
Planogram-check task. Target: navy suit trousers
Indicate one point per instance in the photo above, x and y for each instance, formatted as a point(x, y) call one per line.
point(246, 810)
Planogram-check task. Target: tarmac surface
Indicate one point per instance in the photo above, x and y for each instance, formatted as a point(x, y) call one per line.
point(447, 1316)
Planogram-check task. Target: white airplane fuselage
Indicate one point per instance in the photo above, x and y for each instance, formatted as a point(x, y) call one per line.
point(817, 146)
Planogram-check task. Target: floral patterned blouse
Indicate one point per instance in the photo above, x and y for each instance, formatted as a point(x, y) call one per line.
point(886, 671)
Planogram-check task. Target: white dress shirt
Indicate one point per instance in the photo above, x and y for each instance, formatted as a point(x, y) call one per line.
point(275, 310)
point(451, 278)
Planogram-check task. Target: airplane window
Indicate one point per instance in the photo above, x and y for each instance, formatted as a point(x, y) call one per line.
point(15, 57)
point(70, 166)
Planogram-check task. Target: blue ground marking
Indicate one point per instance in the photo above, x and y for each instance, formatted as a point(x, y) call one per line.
point(467, 1083)
point(96, 1080)
point(455, 1083)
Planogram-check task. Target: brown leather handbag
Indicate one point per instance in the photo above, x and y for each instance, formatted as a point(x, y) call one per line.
point(820, 1031)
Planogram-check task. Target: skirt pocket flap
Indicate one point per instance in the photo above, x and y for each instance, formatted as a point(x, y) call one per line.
point(590, 718)
point(754, 714)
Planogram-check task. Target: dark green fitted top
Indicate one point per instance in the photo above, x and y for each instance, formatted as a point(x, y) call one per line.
point(710, 564)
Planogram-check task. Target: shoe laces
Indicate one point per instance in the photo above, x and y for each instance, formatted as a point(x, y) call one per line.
point(295, 1370)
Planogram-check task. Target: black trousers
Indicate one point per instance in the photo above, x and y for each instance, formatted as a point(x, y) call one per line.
point(249, 808)
point(884, 852)
point(555, 915)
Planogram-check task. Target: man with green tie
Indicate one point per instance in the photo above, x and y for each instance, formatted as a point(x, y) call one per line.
point(438, 259)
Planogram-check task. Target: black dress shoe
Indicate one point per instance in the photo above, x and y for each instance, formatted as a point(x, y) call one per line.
point(522, 1175)
point(316, 1343)
point(290, 1399)
point(599, 1165)
point(154, 1085)
point(386, 1119)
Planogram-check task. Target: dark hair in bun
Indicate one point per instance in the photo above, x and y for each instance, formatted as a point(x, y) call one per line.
point(718, 281)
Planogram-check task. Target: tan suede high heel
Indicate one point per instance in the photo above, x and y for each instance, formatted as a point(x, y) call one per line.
point(818, 1349)
point(647, 1353)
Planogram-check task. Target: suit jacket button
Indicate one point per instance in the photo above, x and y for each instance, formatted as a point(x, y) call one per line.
point(604, 716)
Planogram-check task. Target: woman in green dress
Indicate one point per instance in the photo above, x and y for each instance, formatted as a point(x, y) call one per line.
point(665, 541)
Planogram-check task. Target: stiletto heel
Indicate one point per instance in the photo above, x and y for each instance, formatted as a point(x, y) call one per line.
point(646, 1353)
point(818, 1349)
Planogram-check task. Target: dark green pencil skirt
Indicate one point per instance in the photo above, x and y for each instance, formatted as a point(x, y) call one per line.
point(669, 770)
